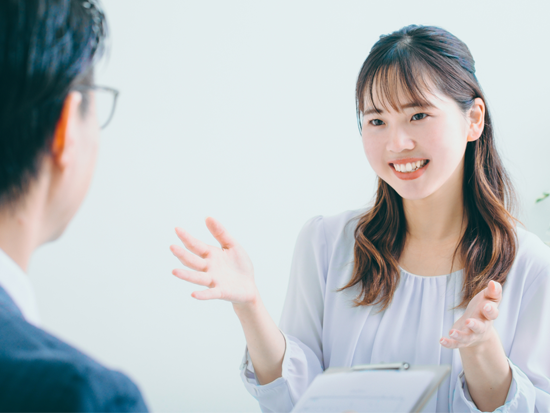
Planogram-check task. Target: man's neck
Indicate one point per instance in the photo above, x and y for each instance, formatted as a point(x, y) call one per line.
point(21, 229)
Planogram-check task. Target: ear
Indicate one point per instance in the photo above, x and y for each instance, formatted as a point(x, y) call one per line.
point(63, 141)
point(476, 119)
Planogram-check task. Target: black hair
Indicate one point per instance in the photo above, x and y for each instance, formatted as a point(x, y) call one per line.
point(415, 60)
point(46, 48)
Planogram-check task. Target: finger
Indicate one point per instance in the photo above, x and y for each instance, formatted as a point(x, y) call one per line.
point(188, 259)
point(490, 311)
point(475, 326)
point(220, 233)
point(193, 277)
point(460, 336)
point(192, 244)
point(493, 291)
point(449, 342)
point(210, 294)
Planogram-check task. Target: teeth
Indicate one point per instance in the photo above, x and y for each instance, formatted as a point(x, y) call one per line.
point(409, 167)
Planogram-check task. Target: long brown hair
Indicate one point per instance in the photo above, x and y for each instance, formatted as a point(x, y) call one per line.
point(411, 61)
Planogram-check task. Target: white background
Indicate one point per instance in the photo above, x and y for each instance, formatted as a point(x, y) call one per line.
point(245, 111)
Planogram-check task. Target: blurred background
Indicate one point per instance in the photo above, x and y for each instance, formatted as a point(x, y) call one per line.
point(244, 110)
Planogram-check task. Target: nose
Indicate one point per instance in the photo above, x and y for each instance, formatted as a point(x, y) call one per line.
point(399, 140)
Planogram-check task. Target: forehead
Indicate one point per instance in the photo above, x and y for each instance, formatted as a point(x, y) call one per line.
point(392, 88)
point(402, 101)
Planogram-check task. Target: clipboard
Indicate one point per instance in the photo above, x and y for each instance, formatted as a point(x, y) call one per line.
point(391, 387)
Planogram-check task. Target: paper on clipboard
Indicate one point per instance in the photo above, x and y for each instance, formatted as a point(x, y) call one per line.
point(365, 391)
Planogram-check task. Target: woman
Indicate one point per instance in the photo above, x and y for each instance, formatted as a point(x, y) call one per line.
point(435, 265)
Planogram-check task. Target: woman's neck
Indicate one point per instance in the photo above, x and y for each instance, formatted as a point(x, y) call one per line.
point(438, 217)
point(434, 227)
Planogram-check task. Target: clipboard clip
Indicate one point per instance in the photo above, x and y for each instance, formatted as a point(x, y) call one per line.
point(382, 366)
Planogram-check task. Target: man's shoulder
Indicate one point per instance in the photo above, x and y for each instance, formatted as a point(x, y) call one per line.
point(42, 373)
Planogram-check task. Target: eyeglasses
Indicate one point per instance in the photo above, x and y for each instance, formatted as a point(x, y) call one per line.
point(105, 101)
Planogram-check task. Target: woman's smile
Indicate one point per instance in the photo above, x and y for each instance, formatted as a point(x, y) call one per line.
point(409, 168)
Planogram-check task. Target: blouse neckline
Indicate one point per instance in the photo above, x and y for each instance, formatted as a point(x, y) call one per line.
point(431, 276)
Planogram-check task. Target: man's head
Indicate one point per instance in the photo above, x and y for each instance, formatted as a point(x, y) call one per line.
point(48, 122)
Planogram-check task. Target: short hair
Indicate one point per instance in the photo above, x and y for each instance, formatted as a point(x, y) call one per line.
point(46, 48)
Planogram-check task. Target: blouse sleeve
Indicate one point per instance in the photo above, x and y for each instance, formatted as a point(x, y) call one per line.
point(529, 357)
point(301, 324)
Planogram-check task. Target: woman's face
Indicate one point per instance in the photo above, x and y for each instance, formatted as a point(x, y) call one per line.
point(417, 150)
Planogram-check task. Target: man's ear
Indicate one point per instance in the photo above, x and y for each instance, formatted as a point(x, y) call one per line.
point(477, 120)
point(63, 141)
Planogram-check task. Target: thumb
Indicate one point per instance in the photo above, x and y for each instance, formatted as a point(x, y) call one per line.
point(494, 291)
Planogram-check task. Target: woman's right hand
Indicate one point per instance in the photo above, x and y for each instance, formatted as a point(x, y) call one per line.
point(229, 275)
point(227, 271)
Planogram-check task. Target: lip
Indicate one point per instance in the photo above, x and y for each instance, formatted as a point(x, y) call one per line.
point(408, 176)
point(407, 160)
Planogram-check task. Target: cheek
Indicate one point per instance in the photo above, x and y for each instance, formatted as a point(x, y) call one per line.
point(92, 156)
point(446, 143)
point(88, 157)
point(374, 150)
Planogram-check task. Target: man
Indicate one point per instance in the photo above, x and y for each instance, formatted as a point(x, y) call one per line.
point(49, 131)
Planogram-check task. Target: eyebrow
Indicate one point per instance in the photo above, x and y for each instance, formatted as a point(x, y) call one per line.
point(405, 106)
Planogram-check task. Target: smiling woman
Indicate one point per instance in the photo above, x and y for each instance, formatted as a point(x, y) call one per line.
point(418, 100)
point(438, 263)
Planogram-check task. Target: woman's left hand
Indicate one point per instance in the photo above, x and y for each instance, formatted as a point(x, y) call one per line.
point(476, 324)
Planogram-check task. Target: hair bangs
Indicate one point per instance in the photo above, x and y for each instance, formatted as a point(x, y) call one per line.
point(393, 85)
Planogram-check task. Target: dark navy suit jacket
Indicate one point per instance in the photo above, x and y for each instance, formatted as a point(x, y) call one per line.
point(40, 373)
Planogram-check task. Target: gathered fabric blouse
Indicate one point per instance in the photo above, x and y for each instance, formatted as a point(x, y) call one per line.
point(323, 328)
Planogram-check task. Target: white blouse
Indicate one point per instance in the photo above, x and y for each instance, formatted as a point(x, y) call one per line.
point(323, 329)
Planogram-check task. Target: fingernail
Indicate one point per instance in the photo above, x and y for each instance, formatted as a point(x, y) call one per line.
point(442, 341)
point(488, 308)
point(454, 334)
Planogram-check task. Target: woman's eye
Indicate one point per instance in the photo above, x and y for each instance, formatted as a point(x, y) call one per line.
point(376, 122)
point(419, 116)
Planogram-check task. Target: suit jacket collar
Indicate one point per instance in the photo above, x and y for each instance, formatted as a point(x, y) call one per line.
point(6, 303)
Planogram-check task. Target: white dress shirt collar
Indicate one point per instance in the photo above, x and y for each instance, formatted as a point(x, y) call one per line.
point(18, 286)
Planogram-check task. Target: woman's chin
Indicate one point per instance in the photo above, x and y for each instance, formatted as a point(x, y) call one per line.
point(413, 196)
point(412, 193)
